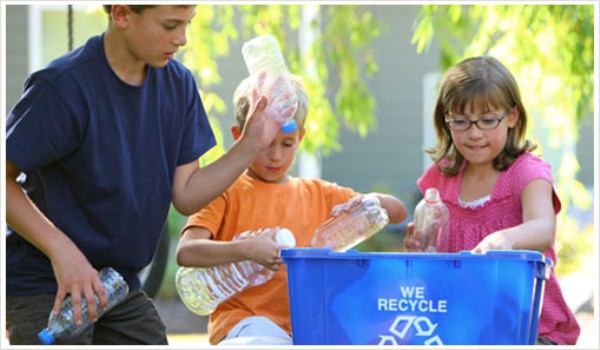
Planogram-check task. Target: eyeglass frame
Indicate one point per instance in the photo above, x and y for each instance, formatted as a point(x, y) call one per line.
point(475, 122)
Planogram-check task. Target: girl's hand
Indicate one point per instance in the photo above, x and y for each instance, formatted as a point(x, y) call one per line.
point(496, 241)
point(411, 242)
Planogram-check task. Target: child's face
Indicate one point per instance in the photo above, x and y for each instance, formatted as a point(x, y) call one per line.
point(271, 164)
point(155, 35)
point(480, 147)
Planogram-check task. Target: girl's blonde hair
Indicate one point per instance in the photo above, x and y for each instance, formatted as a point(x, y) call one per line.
point(242, 99)
point(481, 83)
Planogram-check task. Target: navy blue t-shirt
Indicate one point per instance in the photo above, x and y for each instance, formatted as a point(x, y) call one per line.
point(99, 157)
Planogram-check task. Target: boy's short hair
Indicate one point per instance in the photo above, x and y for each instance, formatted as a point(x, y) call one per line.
point(242, 99)
point(134, 8)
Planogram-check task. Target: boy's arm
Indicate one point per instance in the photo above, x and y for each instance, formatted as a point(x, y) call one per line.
point(395, 207)
point(194, 187)
point(197, 249)
point(74, 274)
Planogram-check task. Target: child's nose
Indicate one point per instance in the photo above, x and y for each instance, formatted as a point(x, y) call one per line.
point(180, 38)
point(276, 153)
point(473, 131)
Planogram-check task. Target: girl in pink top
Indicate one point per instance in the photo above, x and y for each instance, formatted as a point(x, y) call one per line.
point(499, 195)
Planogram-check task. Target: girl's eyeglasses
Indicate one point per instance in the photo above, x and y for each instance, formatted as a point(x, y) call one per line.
point(486, 123)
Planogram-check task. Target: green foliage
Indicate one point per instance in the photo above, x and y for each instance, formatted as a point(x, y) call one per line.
point(334, 68)
point(550, 50)
point(340, 55)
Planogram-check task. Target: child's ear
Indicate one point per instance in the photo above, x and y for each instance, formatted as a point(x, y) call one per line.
point(120, 15)
point(236, 132)
point(302, 134)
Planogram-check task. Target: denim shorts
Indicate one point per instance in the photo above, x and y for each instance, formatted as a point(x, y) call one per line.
point(135, 321)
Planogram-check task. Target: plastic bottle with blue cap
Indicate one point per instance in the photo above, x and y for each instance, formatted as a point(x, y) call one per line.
point(263, 55)
point(62, 326)
point(203, 289)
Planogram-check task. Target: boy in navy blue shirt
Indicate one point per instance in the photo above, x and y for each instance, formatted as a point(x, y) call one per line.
point(100, 143)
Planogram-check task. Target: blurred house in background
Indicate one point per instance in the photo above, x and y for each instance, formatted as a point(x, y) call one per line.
point(389, 159)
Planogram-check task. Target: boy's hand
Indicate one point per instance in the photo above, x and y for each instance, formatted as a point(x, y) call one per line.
point(366, 199)
point(282, 104)
point(260, 128)
point(348, 205)
point(75, 276)
point(264, 249)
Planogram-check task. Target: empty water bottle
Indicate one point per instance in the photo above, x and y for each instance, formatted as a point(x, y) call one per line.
point(350, 228)
point(203, 289)
point(431, 224)
point(62, 326)
point(262, 55)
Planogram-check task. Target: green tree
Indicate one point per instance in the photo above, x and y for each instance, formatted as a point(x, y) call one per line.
point(550, 49)
point(333, 68)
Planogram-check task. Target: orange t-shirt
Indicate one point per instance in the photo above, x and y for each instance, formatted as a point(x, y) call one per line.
point(300, 205)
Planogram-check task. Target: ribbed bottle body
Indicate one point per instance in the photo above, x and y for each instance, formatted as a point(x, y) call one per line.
point(62, 326)
point(202, 289)
point(350, 228)
point(262, 54)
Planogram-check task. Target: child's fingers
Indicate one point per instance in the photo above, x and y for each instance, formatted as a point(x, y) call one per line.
point(410, 228)
point(60, 296)
point(289, 111)
point(100, 291)
point(260, 81)
point(92, 306)
point(76, 303)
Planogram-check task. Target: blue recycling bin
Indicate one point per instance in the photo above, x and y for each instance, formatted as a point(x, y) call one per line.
point(355, 298)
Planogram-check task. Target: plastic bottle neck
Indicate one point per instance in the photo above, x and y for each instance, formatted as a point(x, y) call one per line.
point(432, 202)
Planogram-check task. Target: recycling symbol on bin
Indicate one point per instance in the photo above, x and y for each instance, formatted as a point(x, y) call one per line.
point(403, 324)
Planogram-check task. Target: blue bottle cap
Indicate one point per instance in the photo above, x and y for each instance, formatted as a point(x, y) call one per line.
point(46, 337)
point(289, 126)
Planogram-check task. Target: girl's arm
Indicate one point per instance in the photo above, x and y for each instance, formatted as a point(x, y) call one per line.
point(197, 249)
point(537, 230)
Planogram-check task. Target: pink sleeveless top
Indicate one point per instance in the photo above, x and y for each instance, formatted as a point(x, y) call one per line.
point(468, 226)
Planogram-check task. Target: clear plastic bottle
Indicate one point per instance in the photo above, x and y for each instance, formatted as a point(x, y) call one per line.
point(203, 289)
point(62, 326)
point(431, 223)
point(262, 54)
point(348, 229)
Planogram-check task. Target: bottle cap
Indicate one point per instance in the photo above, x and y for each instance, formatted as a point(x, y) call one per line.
point(432, 195)
point(289, 126)
point(285, 237)
point(46, 336)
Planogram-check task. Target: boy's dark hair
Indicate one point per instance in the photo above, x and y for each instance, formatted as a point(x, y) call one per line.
point(483, 83)
point(134, 8)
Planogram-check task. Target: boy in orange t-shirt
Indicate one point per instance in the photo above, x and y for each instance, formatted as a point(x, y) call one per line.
point(265, 196)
